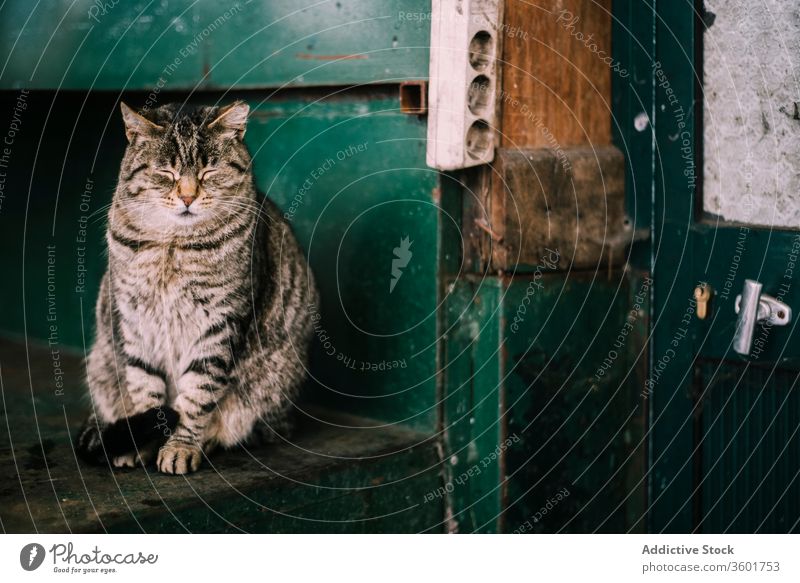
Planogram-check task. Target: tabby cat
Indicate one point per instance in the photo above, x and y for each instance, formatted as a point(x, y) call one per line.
point(202, 335)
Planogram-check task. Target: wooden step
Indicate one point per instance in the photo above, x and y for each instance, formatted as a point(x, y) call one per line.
point(338, 474)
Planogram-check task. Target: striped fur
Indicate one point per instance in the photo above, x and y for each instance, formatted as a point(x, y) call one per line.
point(201, 307)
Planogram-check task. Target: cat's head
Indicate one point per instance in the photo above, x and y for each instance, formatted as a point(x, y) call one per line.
point(185, 167)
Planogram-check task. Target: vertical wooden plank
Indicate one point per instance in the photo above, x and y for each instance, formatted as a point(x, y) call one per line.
point(556, 73)
point(472, 395)
point(555, 101)
point(632, 107)
point(669, 388)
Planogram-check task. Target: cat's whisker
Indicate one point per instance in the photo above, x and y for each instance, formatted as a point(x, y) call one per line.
point(255, 208)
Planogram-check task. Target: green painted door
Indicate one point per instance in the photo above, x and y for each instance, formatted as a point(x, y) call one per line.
point(725, 450)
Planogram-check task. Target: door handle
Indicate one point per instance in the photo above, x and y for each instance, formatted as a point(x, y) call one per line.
point(754, 307)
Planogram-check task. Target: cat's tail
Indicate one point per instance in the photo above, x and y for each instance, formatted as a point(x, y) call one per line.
point(97, 442)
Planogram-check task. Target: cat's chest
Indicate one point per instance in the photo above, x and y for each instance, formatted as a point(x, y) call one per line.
point(164, 302)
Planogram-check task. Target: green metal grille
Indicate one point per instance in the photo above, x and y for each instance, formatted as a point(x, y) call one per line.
point(749, 449)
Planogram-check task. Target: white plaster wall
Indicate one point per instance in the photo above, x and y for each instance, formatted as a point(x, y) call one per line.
point(752, 112)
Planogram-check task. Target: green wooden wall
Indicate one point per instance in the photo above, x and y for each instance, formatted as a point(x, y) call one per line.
point(552, 386)
point(346, 165)
point(198, 45)
point(348, 170)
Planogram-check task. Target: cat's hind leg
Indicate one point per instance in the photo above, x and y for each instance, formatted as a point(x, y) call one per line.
point(261, 408)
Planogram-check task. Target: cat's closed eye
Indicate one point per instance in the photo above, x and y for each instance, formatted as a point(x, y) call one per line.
point(168, 173)
point(206, 173)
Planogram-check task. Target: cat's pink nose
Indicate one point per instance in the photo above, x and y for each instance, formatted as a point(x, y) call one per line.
point(187, 189)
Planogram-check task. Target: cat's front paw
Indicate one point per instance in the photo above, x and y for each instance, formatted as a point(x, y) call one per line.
point(130, 460)
point(178, 458)
point(142, 457)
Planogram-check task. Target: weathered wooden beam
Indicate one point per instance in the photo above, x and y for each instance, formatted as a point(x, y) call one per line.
point(566, 200)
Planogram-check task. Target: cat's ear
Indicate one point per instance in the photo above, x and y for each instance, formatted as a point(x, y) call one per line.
point(232, 118)
point(137, 125)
